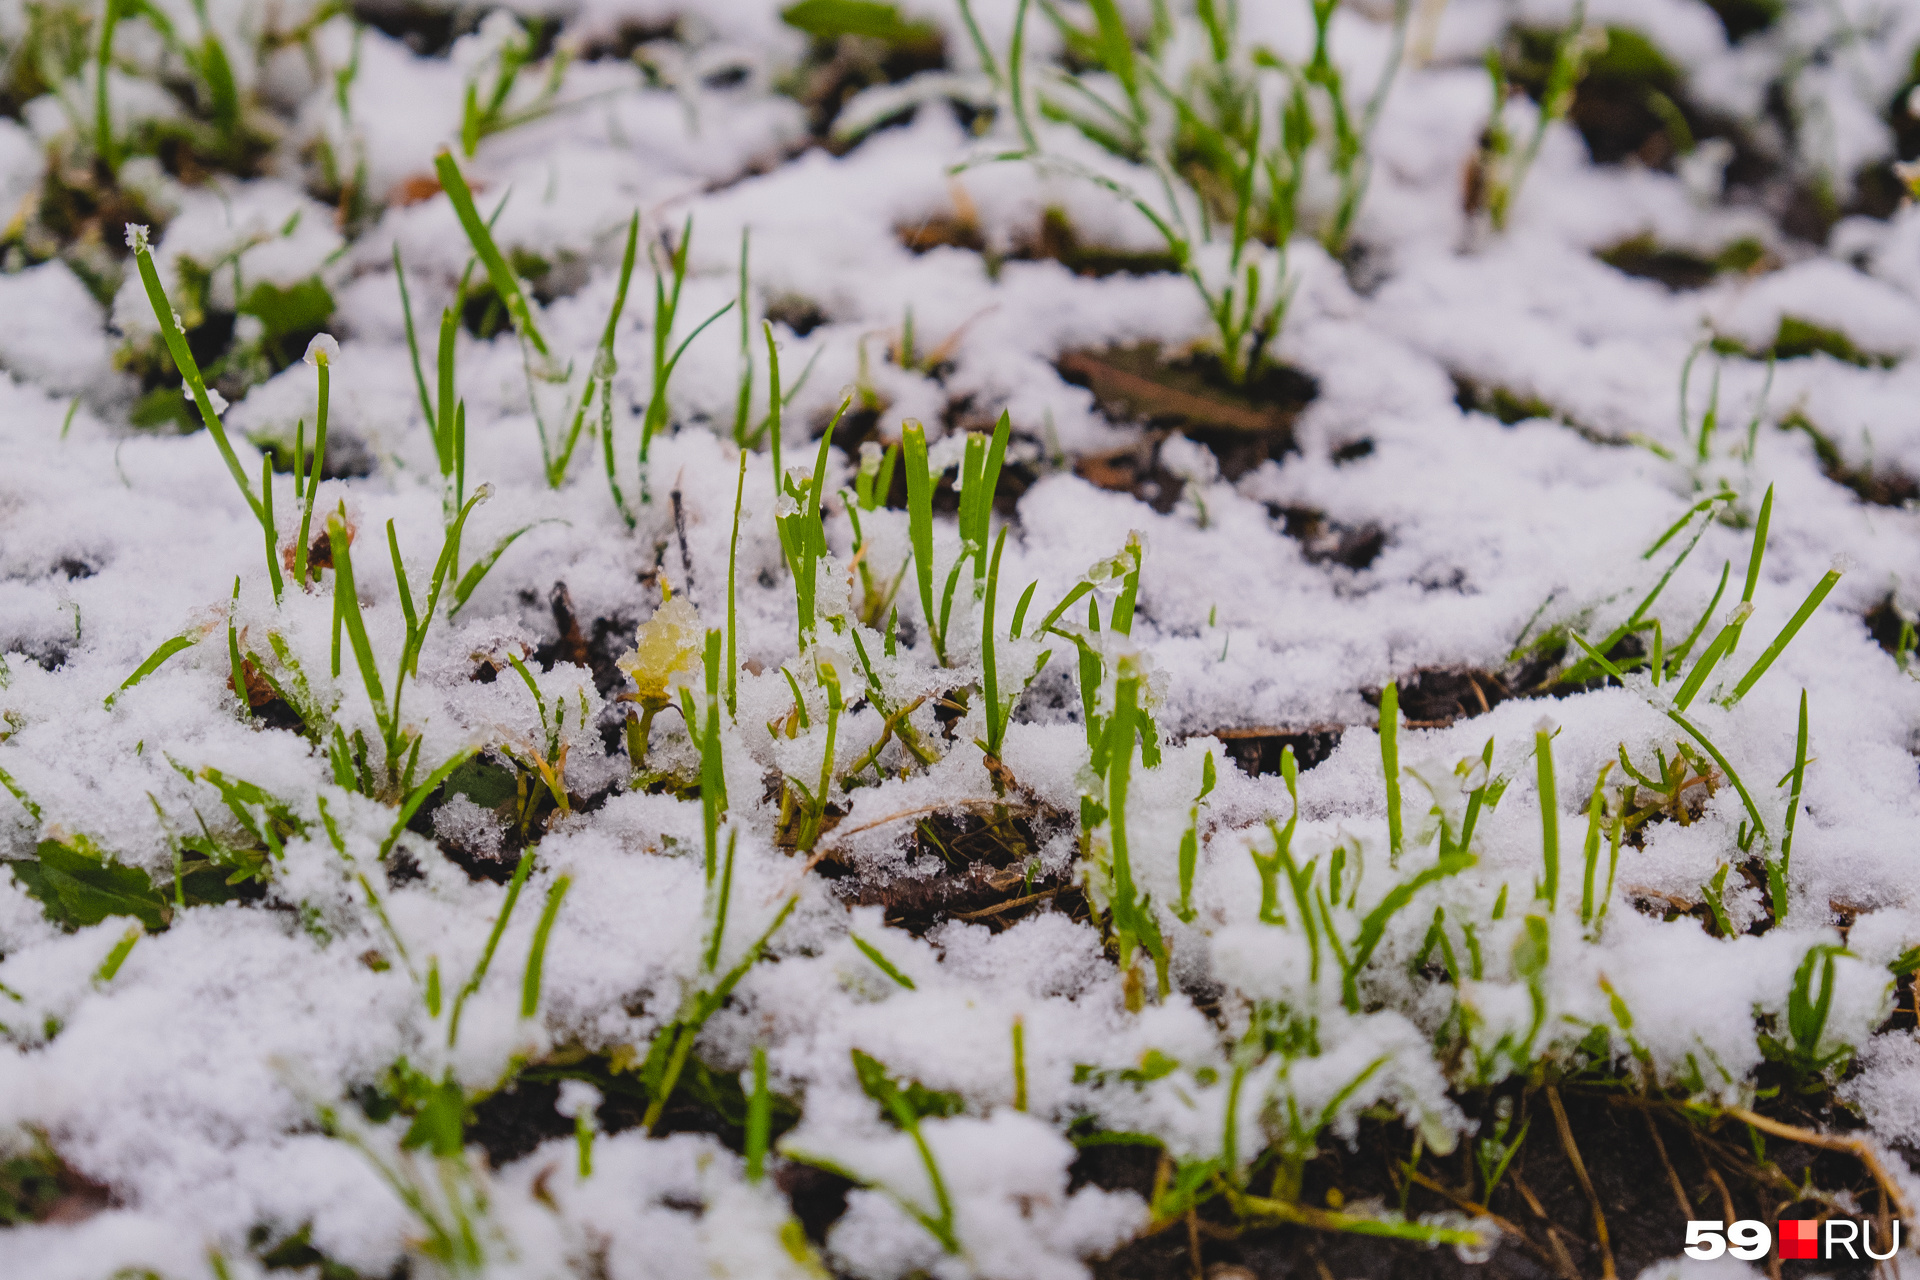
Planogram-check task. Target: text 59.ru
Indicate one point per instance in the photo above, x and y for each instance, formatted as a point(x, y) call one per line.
point(1799, 1238)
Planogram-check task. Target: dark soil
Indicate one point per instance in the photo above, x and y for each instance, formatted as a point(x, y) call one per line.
point(1257, 751)
point(1435, 697)
point(513, 1122)
point(38, 1186)
point(428, 30)
point(597, 646)
point(1634, 1154)
point(1682, 269)
point(981, 870)
point(1056, 239)
point(1504, 404)
point(1887, 624)
point(802, 315)
point(839, 68)
point(1883, 486)
point(1743, 18)
point(818, 1197)
point(1331, 542)
point(1244, 426)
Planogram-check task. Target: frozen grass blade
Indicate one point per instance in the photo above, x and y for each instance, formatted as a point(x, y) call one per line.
point(913, 450)
point(118, 956)
point(321, 358)
point(600, 377)
point(413, 348)
point(1785, 638)
point(269, 529)
point(1596, 814)
point(418, 796)
point(733, 562)
point(759, 1119)
point(1754, 559)
point(997, 712)
point(184, 361)
point(1132, 913)
point(536, 956)
point(743, 401)
point(1585, 668)
point(723, 896)
point(1390, 764)
point(1190, 839)
point(505, 283)
point(672, 1045)
point(803, 539)
point(880, 961)
point(1692, 731)
point(656, 418)
point(1019, 1063)
point(154, 660)
point(238, 678)
point(1549, 891)
point(520, 873)
point(347, 604)
point(1779, 869)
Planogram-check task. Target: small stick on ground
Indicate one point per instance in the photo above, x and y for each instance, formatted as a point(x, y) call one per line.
point(1009, 905)
point(1726, 1197)
point(1586, 1184)
point(1673, 1177)
point(1480, 1211)
point(1858, 1148)
point(1560, 1254)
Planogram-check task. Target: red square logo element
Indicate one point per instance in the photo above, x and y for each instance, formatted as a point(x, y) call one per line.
point(1799, 1238)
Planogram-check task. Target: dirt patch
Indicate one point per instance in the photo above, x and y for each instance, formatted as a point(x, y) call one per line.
point(1650, 1170)
point(596, 645)
point(1258, 750)
point(1056, 239)
point(1891, 627)
point(1325, 541)
point(980, 868)
point(38, 1186)
point(1682, 269)
point(818, 1197)
point(1435, 697)
point(512, 1122)
point(1883, 486)
point(841, 64)
point(428, 30)
point(1244, 425)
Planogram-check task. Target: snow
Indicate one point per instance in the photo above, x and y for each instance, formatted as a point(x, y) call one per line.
point(217, 1083)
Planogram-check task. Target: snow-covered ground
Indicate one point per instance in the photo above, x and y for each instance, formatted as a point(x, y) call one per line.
point(233, 1078)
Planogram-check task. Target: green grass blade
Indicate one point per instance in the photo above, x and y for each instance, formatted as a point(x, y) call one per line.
point(1549, 816)
point(347, 601)
point(188, 366)
point(536, 955)
point(505, 284)
point(759, 1118)
point(1787, 633)
point(476, 572)
point(154, 660)
point(880, 961)
point(479, 975)
point(413, 345)
point(1390, 763)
